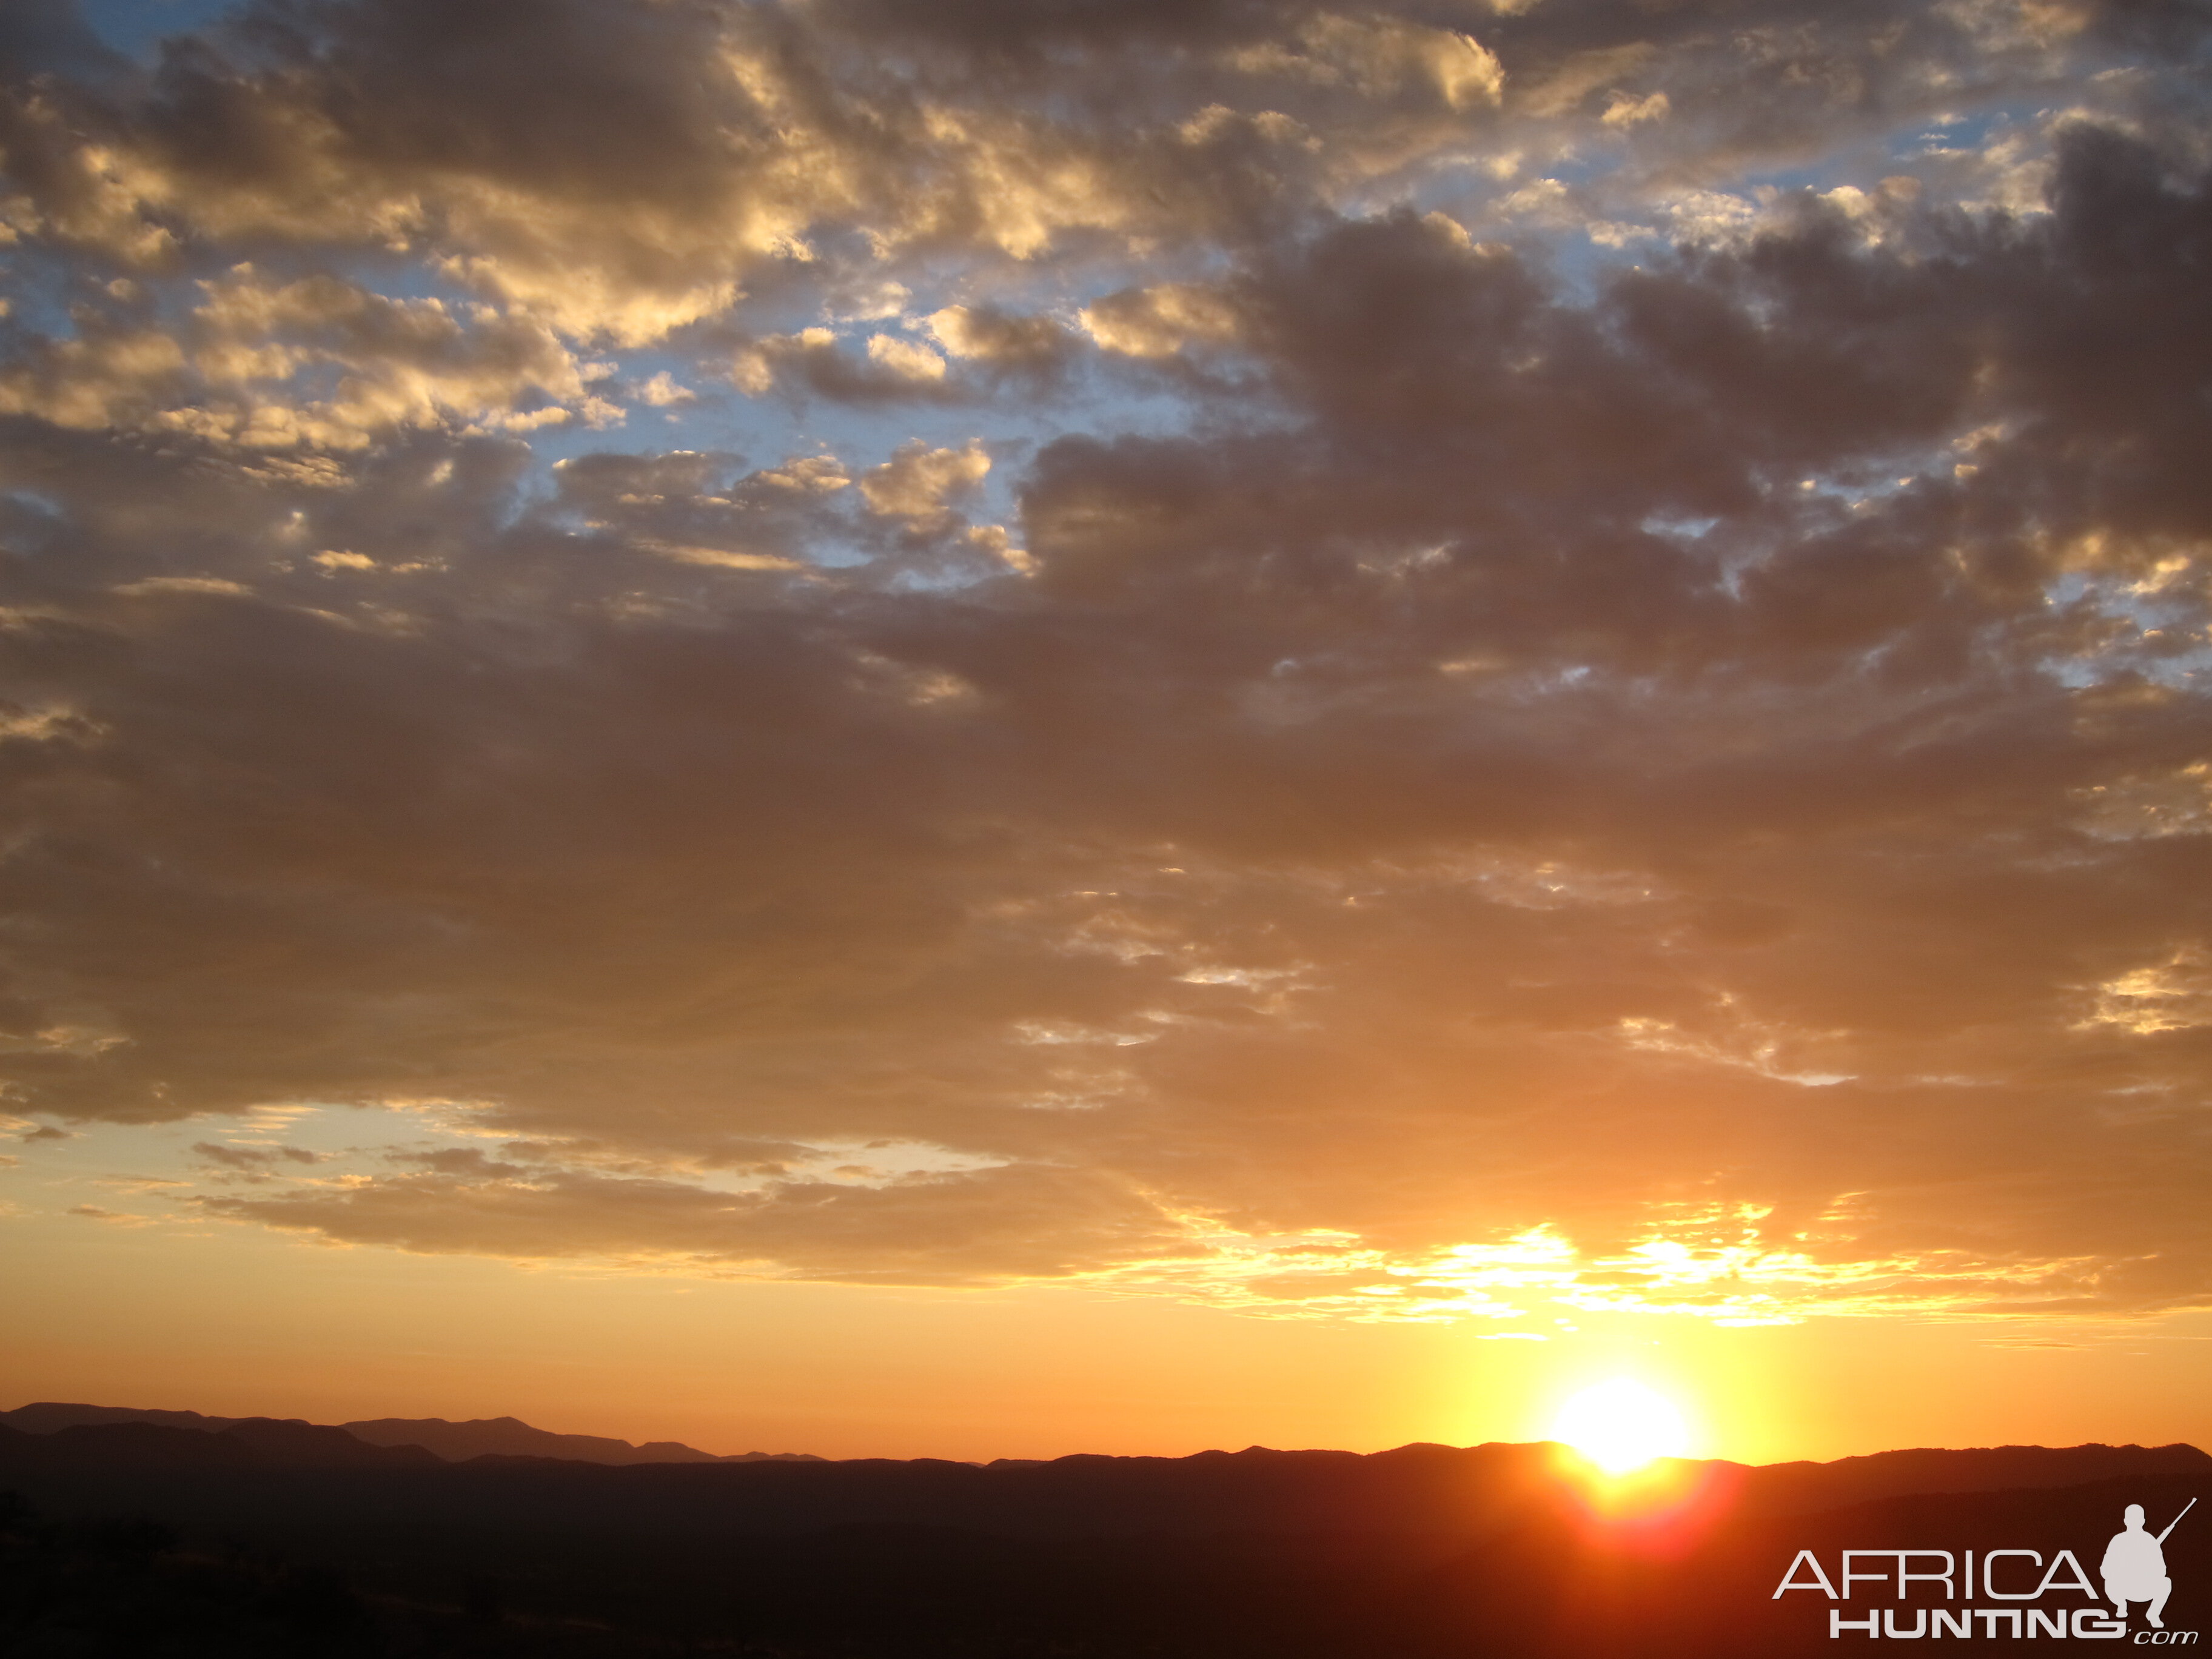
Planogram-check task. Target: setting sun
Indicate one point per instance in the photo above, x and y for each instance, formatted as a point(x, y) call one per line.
point(1621, 1426)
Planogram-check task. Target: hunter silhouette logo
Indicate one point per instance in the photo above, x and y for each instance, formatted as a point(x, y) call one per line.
point(2133, 1571)
point(2135, 1565)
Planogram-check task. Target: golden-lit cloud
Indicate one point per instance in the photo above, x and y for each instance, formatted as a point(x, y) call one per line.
point(918, 481)
point(1296, 657)
point(229, 376)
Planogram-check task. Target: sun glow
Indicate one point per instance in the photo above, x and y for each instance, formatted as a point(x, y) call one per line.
point(1621, 1426)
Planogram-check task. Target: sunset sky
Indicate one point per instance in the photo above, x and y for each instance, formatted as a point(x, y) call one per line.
point(1014, 726)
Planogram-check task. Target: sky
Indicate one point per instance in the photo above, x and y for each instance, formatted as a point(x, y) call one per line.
point(1001, 729)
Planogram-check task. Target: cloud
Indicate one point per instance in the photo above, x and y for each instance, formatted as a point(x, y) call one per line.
point(1622, 110)
point(1380, 56)
point(662, 391)
point(1263, 724)
point(1157, 322)
point(700, 150)
point(1034, 346)
point(100, 379)
point(814, 360)
point(231, 376)
point(905, 359)
point(917, 483)
point(252, 1157)
point(994, 1224)
point(625, 175)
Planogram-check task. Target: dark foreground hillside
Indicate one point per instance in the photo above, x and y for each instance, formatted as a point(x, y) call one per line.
point(134, 1540)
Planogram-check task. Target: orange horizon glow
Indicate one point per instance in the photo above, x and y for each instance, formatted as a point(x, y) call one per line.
point(238, 1323)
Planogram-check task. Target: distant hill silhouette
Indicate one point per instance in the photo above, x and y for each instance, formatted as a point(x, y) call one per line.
point(510, 1436)
point(502, 1437)
point(45, 1416)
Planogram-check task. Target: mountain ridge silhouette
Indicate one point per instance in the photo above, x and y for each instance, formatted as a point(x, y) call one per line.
point(1420, 1552)
point(1420, 1485)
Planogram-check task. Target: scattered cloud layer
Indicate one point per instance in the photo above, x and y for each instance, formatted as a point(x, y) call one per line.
point(1396, 663)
